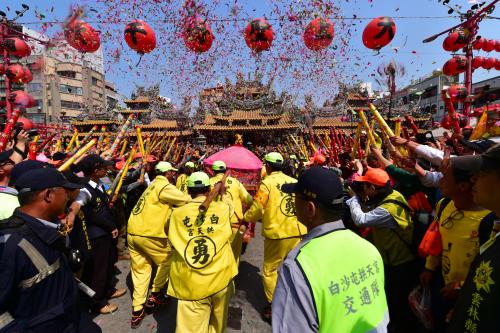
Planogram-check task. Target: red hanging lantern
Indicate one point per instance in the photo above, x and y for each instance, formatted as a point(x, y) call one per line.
point(478, 43)
point(17, 47)
point(489, 63)
point(20, 98)
point(2, 69)
point(15, 73)
point(477, 62)
point(497, 65)
point(140, 37)
point(497, 45)
point(27, 77)
point(319, 34)
point(82, 36)
point(458, 93)
point(455, 41)
point(489, 45)
point(198, 35)
point(27, 123)
point(455, 65)
point(259, 35)
point(379, 32)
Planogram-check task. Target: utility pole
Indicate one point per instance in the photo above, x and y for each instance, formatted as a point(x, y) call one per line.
point(470, 25)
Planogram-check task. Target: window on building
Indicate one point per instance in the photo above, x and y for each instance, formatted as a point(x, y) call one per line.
point(68, 74)
point(71, 105)
point(67, 89)
point(94, 81)
point(33, 87)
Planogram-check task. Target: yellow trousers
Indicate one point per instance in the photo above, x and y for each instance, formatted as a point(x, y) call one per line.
point(144, 253)
point(275, 251)
point(208, 315)
point(236, 244)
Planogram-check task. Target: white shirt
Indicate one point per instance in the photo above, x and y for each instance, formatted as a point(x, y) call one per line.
point(84, 197)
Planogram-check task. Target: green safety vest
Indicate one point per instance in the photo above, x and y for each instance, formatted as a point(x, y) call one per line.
point(346, 276)
point(9, 204)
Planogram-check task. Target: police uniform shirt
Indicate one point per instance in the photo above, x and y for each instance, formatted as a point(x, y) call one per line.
point(36, 283)
point(84, 197)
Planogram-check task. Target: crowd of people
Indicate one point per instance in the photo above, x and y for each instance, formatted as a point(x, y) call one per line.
point(403, 240)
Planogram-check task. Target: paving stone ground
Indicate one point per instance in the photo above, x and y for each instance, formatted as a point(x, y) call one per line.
point(244, 309)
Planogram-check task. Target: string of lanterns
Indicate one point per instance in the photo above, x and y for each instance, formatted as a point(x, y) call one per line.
point(198, 36)
point(457, 40)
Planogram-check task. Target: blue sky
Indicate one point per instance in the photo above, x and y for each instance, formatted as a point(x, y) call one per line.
point(358, 63)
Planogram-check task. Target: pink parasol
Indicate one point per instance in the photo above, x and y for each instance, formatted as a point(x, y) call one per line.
point(241, 163)
point(236, 157)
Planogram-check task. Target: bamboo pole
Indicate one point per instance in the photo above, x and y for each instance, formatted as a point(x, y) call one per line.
point(371, 139)
point(381, 122)
point(355, 148)
point(72, 141)
point(77, 155)
point(122, 177)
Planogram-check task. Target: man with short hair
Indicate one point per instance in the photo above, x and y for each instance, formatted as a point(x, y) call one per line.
point(479, 297)
point(235, 195)
point(37, 290)
point(333, 281)
point(203, 265)
point(280, 227)
point(463, 227)
point(148, 243)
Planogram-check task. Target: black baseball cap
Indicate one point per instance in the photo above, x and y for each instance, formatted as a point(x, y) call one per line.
point(5, 155)
point(91, 162)
point(25, 166)
point(489, 160)
point(41, 179)
point(59, 156)
point(71, 177)
point(318, 184)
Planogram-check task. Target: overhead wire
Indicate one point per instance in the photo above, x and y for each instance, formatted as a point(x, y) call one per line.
point(335, 18)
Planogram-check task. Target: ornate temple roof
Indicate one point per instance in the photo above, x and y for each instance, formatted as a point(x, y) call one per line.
point(160, 124)
point(331, 122)
point(129, 111)
point(257, 122)
point(138, 99)
point(95, 122)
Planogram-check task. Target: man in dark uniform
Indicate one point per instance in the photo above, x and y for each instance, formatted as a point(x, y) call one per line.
point(102, 233)
point(37, 290)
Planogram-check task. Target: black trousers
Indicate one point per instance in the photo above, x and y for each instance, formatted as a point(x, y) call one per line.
point(399, 282)
point(98, 271)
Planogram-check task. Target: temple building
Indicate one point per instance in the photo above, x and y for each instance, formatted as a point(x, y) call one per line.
point(154, 114)
point(248, 107)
